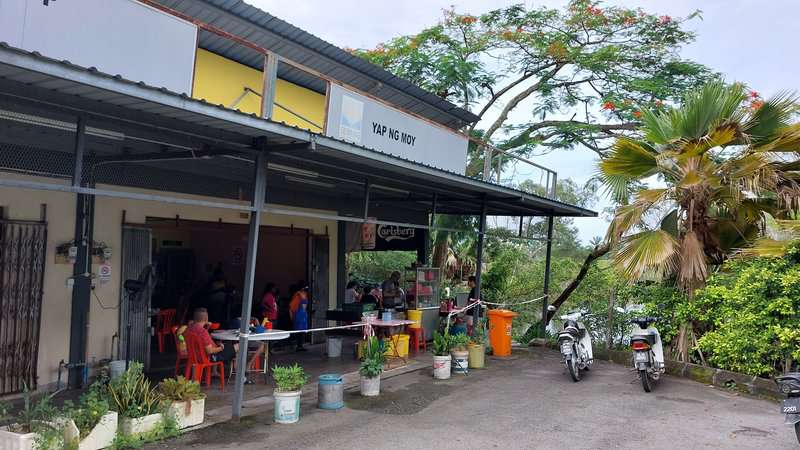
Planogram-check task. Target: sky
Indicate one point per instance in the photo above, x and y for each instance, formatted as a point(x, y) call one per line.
point(751, 41)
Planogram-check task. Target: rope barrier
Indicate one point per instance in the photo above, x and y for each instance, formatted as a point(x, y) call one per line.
point(517, 303)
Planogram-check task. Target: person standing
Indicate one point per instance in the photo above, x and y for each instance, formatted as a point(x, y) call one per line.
point(351, 294)
point(301, 323)
point(391, 291)
point(269, 303)
point(295, 305)
point(473, 297)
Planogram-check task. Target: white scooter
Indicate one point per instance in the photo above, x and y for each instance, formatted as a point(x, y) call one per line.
point(648, 353)
point(575, 343)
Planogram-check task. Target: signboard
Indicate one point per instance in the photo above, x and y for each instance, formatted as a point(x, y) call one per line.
point(368, 236)
point(121, 37)
point(104, 273)
point(361, 120)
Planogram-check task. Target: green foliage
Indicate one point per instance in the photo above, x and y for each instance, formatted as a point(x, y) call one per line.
point(180, 389)
point(131, 394)
point(459, 342)
point(374, 267)
point(374, 358)
point(441, 344)
point(36, 416)
point(289, 378)
point(166, 428)
point(92, 406)
point(750, 309)
point(479, 333)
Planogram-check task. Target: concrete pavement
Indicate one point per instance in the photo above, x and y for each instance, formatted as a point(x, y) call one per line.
point(527, 401)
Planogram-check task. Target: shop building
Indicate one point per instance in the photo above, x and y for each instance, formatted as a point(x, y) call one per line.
point(160, 139)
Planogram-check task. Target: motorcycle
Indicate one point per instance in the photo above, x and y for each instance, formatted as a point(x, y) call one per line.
point(648, 353)
point(789, 385)
point(575, 343)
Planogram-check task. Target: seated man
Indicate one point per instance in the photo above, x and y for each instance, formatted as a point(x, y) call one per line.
point(223, 352)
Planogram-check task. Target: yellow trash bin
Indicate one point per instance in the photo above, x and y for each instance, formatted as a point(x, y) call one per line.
point(402, 345)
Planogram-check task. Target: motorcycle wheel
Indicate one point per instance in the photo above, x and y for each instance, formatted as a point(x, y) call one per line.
point(797, 431)
point(574, 371)
point(645, 380)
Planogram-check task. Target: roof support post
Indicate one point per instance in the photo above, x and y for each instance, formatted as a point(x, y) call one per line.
point(431, 222)
point(521, 220)
point(548, 254)
point(367, 188)
point(270, 77)
point(81, 271)
point(259, 195)
point(479, 261)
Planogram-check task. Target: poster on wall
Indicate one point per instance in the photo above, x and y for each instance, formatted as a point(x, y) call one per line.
point(384, 237)
point(358, 119)
point(368, 236)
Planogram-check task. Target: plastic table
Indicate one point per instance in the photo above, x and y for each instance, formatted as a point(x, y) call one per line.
point(269, 335)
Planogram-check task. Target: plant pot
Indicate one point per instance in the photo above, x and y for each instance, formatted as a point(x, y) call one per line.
point(139, 425)
point(287, 407)
point(16, 441)
point(477, 356)
point(460, 361)
point(370, 387)
point(188, 413)
point(441, 367)
point(101, 436)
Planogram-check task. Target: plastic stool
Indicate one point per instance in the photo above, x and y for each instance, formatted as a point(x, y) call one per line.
point(418, 339)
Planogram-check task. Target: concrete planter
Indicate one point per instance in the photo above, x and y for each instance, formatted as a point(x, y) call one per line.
point(441, 367)
point(101, 436)
point(188, 413)
point(139, 425)
point(16, 441)
point(370, 387)
point(287, 407)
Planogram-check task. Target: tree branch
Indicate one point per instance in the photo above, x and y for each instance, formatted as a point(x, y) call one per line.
point(598, 252)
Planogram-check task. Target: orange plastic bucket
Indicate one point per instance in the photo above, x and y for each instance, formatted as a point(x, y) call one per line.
point(500, 331)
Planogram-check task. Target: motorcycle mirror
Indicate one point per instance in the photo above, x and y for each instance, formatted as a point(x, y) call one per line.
point(551, 308)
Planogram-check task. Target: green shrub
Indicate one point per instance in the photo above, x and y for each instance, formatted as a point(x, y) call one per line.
point(374, 358)
point(459, 342)
point(131, 394)
point(441, 344)
point(92, 406)
point(289, 378)
point(180, 389)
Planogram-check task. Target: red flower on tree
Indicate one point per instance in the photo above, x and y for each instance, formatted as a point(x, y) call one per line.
point(754, 94)
point(609, 106)
point(637, 114)
point(468, 20)
point(756, 104)
point(664, 20)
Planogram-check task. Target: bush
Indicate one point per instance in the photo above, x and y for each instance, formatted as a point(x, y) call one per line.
point(180, 389)
point(372, 366)
point(441, 344)
point(131, 395)
point(289, 378)
point(92, 406)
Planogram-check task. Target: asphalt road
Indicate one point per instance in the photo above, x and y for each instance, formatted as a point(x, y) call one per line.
point(524, 403)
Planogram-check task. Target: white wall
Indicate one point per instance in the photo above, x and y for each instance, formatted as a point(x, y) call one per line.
point(104, 314)
point(121, 37)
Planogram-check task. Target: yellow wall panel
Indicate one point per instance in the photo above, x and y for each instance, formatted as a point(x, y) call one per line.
point(298, 106)
point(219, 80)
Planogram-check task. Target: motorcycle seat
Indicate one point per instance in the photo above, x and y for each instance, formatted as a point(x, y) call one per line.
point(647, 335)
point(789, 376)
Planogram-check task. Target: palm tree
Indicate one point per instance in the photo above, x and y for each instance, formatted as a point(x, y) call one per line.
point(725, 160)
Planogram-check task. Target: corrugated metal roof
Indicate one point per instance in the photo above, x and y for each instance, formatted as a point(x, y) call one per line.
point(31, 69)
point(312, 51)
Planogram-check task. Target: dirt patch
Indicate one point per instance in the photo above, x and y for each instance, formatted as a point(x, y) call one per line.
point(409, 400)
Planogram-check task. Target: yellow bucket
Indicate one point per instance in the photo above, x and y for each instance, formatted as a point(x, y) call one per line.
point(416, 316)
point(402, 345)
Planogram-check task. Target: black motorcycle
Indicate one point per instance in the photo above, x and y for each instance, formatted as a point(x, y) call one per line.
point(789, 385)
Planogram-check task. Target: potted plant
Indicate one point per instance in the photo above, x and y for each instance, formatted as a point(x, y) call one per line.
point(36, 425)
point(91, 425)
point(459, 348)
point(477, 347)
point(137, 403)
point(289, 380)
point(372, 367)
point(185, 401)
point(441, 355)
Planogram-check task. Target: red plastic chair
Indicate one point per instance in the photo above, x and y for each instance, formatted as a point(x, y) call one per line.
point(417, 338)
point(179, 355)
point(164, 323)
point(199, 362)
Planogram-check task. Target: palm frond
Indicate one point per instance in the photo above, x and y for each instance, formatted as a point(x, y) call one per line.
point(766, 122)
point(707, 108)
point(627, 216)
point(652, 252)
point(785, 140)
point(629, 158)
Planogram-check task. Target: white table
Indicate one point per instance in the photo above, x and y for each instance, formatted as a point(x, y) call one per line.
point(269, 335)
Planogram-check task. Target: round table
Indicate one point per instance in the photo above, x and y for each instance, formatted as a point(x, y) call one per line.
point(269, 335)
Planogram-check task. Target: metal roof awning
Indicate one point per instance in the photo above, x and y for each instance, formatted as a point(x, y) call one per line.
point(307, 170)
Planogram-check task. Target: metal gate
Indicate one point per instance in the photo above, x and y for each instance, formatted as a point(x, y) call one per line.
point(136, 265)
point(23, 247)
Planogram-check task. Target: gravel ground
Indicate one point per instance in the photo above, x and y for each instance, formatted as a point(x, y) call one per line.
point(523, 402)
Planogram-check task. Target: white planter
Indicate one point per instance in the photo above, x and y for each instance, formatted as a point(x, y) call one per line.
point(287, 407)
point(15, 441)
point(101, 436)
point(188, 413)
point(139, 425)
point(441, 367)
point(370, 387)
point(460, 361)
